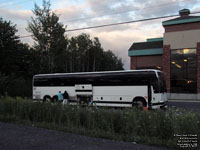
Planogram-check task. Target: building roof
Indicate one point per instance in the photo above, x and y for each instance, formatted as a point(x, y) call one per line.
point(151, 47)
point(181, 20)
point(184, 18)
point(146, 45)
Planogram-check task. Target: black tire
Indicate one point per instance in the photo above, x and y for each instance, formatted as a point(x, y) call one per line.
point(139, 104)
point(46, 99)
point(54, 98)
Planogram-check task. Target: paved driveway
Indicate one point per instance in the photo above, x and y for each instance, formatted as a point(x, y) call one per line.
point(18, 137)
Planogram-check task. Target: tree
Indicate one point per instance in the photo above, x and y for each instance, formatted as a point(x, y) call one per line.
point(8, 43)
point(59, 54)
point(84, 45)
point(49, 38)
point(111, 62)
point(87, 55)
point(14, 60)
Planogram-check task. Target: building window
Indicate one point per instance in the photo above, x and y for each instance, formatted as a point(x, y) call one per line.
point(184, 71)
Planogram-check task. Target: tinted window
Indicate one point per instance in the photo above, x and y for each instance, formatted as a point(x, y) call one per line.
point(184, 71)
point(99, 79)
point(162, 83)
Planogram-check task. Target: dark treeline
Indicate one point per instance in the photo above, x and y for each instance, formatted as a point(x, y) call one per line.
point(51, 52)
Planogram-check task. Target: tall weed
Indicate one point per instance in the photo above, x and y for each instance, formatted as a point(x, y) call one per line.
point(152, 127)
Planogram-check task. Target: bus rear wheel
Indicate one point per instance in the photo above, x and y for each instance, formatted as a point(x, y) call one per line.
point(47, 98)
point(54, 98)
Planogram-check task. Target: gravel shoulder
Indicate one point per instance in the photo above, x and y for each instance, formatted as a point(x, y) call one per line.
point(19, 137)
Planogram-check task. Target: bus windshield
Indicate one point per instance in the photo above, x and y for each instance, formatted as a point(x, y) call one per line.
point(162, 84)
point(158, 84)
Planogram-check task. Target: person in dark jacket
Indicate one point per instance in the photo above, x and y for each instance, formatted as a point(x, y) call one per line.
point(65, 97)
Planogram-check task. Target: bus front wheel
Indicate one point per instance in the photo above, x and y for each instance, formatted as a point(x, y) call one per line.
point(139, 103)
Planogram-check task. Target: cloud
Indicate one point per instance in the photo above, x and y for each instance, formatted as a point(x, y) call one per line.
point(165, 7)
point(120, 41)
point(16, 14)
point(129, 10)
point(120, 38)
point(20, 18)
point(70, 13)
point(99, 12)
point(99, 7)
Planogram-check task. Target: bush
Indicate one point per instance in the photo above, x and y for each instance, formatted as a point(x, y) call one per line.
point(22, 86)
point(152, 127)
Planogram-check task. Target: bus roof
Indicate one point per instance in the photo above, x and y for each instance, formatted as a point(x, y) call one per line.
point(100, 72)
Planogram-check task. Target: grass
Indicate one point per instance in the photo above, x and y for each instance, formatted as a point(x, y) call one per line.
point(152, 127)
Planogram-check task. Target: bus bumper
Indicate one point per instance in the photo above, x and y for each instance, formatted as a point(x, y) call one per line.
point(161, 105)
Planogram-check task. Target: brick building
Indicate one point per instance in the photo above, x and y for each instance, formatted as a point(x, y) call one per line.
point(177, 54)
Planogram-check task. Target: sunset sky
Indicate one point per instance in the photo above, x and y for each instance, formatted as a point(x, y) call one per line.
point(84, 13)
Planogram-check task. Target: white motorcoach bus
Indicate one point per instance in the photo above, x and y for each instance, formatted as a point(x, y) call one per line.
point(140, 88)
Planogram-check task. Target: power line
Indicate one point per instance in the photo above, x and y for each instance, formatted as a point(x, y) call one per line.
point(126, 11)
point(16, 4)
point(127, 22)
point(121, 23)
point(161, 5)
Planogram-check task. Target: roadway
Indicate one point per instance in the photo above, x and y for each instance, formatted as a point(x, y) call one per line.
point(20, 137)
point(187, 105)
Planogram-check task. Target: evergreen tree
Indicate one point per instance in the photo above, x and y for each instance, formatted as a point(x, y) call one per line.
point(8, 47)
point(14, 60)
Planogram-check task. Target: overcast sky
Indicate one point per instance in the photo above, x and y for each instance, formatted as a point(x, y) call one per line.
point(84, 13)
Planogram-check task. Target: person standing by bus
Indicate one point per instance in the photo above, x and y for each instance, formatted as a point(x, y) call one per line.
point(65, 97)
point(60, 97)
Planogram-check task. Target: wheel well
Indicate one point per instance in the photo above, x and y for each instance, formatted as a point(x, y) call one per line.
point(140, 99)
